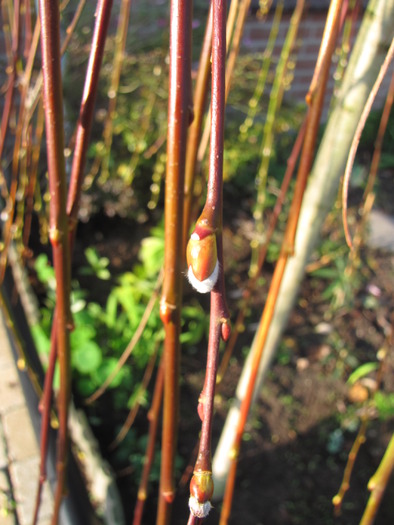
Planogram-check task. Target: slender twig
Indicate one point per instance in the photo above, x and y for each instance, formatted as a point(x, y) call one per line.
point(153, 417)
point(357, 136)
point(205, 260)
point(235, 25)
point(194, 134)
point(378, 483)
point(120, 45)
point(170, 303)
point(253, 105)
point(275, 102)
point(134, 409)
point(361, 434)
point(286, 251)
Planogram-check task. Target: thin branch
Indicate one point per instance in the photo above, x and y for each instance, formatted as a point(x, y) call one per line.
point(356, 139)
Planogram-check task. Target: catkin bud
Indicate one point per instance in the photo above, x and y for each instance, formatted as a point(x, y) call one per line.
point(202, 260)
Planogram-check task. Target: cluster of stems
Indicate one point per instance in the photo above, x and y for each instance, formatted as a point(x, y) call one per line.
point(287, 248)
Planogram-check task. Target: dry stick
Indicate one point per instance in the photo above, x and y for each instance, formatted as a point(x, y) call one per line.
point(275, 102)
point(378, 483)
point(120, 42)
point(251, 285)
point(170, 303)
point(194, 134)
point(210, 224)
point(235, 45)
point(286, 251)
point(53, 102)
point(103, 12)
point(153, 417)
point(356, 139)
point(132, 344)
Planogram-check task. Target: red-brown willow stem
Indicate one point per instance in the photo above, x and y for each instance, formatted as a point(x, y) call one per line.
point(235, 24)
point(170, 303)
point(53, 103)
point(84, 124)
point(357, 136)
point(201, 486)
point(194, 134)
point(153, 417)
point(287, 249)
point(236, 329)
point(86, 112)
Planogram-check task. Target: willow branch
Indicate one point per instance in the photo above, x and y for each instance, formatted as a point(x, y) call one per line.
point(53, 98)
point(205, 261)
point(170, 304)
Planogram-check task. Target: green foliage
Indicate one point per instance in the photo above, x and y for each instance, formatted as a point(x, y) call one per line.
point(98, 266)
point(361, 372)
point(102, 332)
point(384, 404)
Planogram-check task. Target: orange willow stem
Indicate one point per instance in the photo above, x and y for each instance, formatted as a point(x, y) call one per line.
point(286, 251)
point(378, 483)
point(201, 486)
point(153, 417)
point(291, 163)
point(53, 97)
point(170, 304)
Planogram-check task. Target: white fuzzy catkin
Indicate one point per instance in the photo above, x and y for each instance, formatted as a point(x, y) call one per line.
point(207, 284)
point(200, 510)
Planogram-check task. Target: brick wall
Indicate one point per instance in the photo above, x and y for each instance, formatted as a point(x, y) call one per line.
point(305, 53)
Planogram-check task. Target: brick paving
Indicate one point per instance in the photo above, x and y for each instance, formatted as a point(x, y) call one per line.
point(19, 451)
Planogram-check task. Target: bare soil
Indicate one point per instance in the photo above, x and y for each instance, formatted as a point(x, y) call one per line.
point(301, 431)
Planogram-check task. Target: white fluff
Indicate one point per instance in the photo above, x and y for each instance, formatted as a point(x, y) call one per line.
point(208, 283)
point(200, 510)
